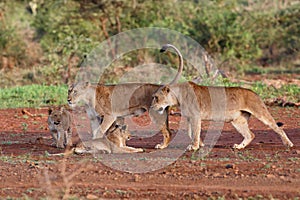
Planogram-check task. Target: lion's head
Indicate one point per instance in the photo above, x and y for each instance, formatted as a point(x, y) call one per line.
point(119, 129)
point(78, 92)
point(162, 99)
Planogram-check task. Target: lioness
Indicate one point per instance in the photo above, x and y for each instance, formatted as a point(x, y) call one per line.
point(114, 142)
point(59, 122)
point(196, 104)
point(111, 101)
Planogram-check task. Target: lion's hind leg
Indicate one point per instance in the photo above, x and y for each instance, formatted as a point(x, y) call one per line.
point(108, 120)
point(241, 125)
point(261, 113)
point(268, 120)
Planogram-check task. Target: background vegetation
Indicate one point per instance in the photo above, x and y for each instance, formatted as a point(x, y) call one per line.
point(44, 42)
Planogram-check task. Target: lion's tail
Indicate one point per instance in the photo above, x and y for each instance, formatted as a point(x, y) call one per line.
point(180, 68)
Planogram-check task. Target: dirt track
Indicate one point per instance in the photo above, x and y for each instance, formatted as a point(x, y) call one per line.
point(264, 170)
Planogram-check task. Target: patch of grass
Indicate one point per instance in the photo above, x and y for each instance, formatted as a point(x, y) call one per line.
point(7, 159)
point(24, 127)
point(9, 142)
point(18, 159)
point(289, 91)
point(120, 192)
point(33, 96)
point(246, 156)
point(293, 159)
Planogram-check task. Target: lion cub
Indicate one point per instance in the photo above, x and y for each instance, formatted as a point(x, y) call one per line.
point(59, 122)
point(114, 142)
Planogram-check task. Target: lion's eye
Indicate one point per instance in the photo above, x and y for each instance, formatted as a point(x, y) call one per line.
point(75, 92)
point(156, 98)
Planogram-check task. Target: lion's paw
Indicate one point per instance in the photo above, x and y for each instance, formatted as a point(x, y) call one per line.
point(80, 150)
point(288, 143)
point(139, 150)
point(238, 146)
point(192, 147)
point(160, 146)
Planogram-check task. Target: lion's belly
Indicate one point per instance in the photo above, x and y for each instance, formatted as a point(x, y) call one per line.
point(221, 115)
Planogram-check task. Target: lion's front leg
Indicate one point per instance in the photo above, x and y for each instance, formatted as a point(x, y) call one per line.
point(108, 120)
point(167, 138)
point(162, 121)
point(60, 140)
point(196, 127)
point(68, 135)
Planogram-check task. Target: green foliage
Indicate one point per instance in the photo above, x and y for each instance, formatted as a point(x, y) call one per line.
point(11, 44)
point(33, 96)
point(225, 28)
point(62, 32)
point(240, 34)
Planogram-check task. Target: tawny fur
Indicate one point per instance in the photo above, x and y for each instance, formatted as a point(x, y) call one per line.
point(108, 101)
point(231, 104)
point(114, 142)
point(112, 101)
point(59, 122)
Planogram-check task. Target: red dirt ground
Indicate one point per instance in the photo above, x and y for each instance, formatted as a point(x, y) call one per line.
point(264, 170)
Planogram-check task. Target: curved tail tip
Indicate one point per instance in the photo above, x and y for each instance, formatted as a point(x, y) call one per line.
point(164, 47)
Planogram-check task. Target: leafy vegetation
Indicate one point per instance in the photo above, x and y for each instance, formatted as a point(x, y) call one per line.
point(238, 33)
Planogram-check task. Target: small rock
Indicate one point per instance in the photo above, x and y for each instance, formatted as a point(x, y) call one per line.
point(137, 178)
point(282, 177)
point(40, 140)
point(91, 196)
point(270, 176)
point(217, 175)
point(229, 166)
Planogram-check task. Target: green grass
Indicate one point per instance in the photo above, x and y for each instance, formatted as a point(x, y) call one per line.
point(289, 91)
point(33, 96)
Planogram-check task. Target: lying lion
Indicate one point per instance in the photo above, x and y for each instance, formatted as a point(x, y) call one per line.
point(196, 104)
point(114, 142)
point(112, 101)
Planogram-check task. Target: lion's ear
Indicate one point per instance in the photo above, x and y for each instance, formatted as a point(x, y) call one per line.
point(62, 109)
point(166, 89)
point(50, 110)
point(71, 86)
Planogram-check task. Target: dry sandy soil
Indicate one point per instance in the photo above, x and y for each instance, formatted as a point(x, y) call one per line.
point(264, 170)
